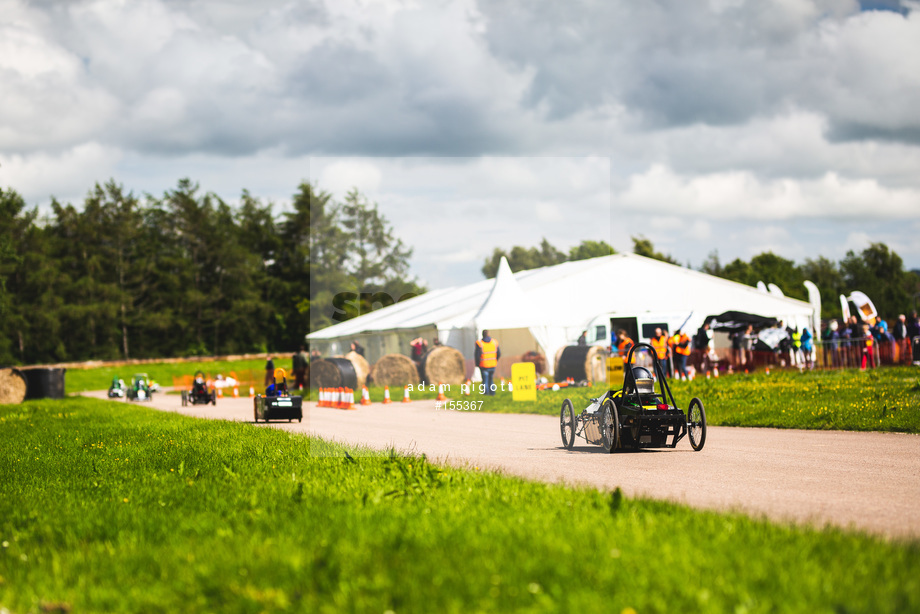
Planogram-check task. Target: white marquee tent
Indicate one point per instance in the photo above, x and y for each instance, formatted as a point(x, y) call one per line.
point(546, 309)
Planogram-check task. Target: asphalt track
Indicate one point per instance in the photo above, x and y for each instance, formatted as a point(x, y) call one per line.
point(864, 481)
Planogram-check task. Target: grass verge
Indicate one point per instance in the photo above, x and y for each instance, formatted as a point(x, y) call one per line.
point(878, 400)
point(115, 508)
point(99, 378)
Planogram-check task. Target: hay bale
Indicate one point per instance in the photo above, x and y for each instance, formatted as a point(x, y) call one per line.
point(556, 361)
point(443, 365)
point(12, 386)
point(596, 364)
point(325, 374)
point(538, 360)
point(582, 362)
point(394, 370)
point(362, 368)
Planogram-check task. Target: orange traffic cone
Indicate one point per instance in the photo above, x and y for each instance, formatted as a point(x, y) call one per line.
point(236, 392)
point(469, 387)
point(348, 402)
point(365, 397)
point(220, 393)
point(708, 374)
point(715, 372)
point(768, 371)
point(252, 392)
point(386, 395)
point(406, 398)
point(441, 396)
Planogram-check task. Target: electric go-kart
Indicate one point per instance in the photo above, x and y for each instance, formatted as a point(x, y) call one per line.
point(117, 389)
point(199, 393)
point(636, 416)
point(277, 403)
point(140, 388)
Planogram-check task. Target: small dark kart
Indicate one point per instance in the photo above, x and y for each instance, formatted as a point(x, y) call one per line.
point(199, 393)
point(278, 403)
point(140, 388)
point(636, 416)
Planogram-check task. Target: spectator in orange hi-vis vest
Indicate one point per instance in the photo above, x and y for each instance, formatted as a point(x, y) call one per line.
point(624, 344)
point(680, 343)
point(660, 344)
point(486, 357)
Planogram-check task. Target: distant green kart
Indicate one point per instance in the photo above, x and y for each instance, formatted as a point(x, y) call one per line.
point(140, 388)
point(636, 416)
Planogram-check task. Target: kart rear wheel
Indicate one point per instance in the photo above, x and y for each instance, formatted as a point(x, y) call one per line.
point(696, 424)
point(610, 425)
point(567, 424)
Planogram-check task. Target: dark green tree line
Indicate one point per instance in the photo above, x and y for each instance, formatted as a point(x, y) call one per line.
point(182, 274)
point(524, 259)
point(877, 271)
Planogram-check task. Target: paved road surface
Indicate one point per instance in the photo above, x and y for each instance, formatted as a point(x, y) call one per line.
point(868, 481)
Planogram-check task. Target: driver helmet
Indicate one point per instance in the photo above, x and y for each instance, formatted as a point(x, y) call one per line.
point(645, 381)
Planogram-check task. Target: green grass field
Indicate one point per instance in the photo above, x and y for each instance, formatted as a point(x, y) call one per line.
point(99, 378)
point(878, 400)
point(118, 508)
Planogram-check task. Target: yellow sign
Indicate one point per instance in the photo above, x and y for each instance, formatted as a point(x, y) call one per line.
point(524, 378)
point(614, 371)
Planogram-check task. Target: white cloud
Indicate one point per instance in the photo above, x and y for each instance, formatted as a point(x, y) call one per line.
point(742, 195)
point(712, 121)
point(343, 176)
point(64, 174)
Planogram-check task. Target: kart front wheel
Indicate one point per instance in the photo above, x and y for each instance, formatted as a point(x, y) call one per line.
point(567, 424)
point(610, 425)
point(696, 424)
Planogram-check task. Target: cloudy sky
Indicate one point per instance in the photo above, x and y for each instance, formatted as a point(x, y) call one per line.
point(730, 125)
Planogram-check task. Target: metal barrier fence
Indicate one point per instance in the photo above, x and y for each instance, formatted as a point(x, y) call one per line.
point(242, 379)
point(838, 354)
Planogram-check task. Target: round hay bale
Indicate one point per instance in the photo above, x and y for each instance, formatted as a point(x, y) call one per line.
point(333, 372)
point(596, 364)
point(443, 365)
point(394, 370)
point(582, 362)
point(538, 360)
point(12, 386)
point(361, 366)
point(556, 360)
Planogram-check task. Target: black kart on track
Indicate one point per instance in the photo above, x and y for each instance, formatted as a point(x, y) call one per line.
point(636, 416)
point(199, 393)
